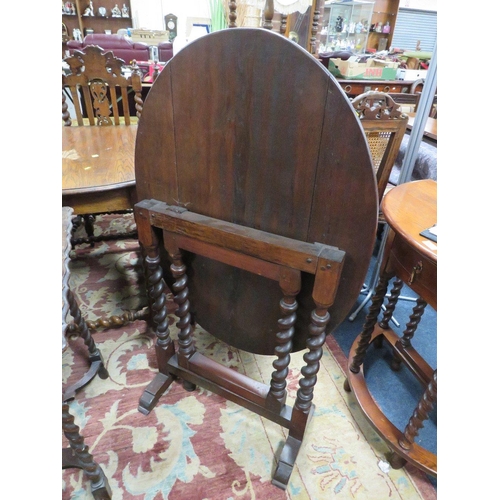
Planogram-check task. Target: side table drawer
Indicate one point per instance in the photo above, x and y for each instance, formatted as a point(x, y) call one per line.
point(416, 270)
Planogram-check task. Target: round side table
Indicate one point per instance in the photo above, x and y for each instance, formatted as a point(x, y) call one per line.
point(411, 258)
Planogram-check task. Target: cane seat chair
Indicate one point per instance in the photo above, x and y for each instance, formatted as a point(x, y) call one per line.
point(261, 191)
point(98, 85)
point(385, 126)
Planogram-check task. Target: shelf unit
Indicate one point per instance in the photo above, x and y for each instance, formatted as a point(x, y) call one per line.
point(96, 22)
point(384, 11)
point(348, 24)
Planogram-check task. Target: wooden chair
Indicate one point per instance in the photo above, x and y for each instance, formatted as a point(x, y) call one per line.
point(99, 77)
point(385, 126)
point(261, 191)
point(99, 89)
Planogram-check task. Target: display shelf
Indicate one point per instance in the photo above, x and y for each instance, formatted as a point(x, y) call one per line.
point(97, 23)
point(348, 25)
point(107, 18)
point(384, 13)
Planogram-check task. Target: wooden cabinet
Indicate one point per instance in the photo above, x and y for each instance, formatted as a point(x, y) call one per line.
point(348, 25)
point(102, 19)
point(382, 24)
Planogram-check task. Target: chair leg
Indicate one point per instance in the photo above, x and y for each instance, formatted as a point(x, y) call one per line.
point(88, 220)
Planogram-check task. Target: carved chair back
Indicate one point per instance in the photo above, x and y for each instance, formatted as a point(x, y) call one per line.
point(385, 126)
point(98, 88)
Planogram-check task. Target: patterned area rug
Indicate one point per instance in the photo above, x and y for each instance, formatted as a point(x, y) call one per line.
point(197, 445)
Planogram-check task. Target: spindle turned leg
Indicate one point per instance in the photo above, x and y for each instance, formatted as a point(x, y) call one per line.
point(78, 456)
point(369, 325)
point(290, 282)
point(411, 327)
point(416, 422)
point(389, 310)
point(96, 361)
point(186, 346)
point(156, 292)
point(303, 407)
point(88, 221)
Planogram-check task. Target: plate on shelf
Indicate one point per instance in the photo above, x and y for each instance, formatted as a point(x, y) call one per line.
point(102, 11)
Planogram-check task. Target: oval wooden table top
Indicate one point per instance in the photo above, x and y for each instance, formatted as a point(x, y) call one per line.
point(411, 208)
point(271, 143)
point(97, 158)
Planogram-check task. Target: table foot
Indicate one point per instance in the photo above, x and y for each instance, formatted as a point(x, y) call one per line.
point(188, 386)
point(96, 367)
point(347, 387)
point(100, 490)
point(396, 461)
point(154, 391)
point(286, 462)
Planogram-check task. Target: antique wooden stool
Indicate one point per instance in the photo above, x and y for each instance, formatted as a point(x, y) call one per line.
point(254, 174)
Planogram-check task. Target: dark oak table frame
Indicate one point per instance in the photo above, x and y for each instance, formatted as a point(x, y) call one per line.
point(275, 257)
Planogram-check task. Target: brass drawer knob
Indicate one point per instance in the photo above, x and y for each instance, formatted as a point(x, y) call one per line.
point(416, 270)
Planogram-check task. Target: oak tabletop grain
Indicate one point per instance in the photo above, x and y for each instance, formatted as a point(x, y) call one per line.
point(97, 158)
point(411, 208)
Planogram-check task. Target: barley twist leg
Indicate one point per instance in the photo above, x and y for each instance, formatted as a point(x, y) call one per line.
point(286, 325)
point(96, 361)
point(411, 328)
point(78, 456)
point(317, 337)
point(181, 298)
point(164, 346)
point(416, 422)
point(391, 304)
